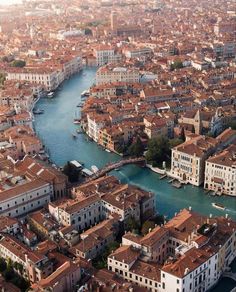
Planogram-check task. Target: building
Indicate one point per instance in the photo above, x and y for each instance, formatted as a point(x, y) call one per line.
point(114, 20)
point(46, 77)
point(188, 253)
point(188, 159)
point(34, 266)
point(65, 278)
point(106, 54)
point(110, 74)
point(101, 198)
point(24, 197)
point(220, 172)
point(96, 239)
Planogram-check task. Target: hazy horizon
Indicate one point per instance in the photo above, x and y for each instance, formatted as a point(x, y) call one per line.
point(9, 2)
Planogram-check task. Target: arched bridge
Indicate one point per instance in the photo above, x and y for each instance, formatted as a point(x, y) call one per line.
point(111, 166)
point(230, 275)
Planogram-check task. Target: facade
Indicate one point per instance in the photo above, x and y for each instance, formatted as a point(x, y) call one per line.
point(65, 278)
point(190, 262)
point(24, 198)
point(108, 74)
point(138, 52)
point(96, 239)
point(91, 207)
point(94, 124)
point(34, 265)
point(220, 172)
point(47, 78)
point(106, 54)
point(188, 159)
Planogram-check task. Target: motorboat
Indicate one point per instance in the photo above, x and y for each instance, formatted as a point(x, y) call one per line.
point(85, 93)
point(94, 168)
point(218, 206)
point(38, 111)
point(77, 121)
point(50, 94)
point(80, 104)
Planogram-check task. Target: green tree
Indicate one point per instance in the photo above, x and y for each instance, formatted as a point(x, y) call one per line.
point(2, 78)
point(72, 172)
point(18, 63)
point(132, 224)
point(175, 142)
point(176, 65)
point(3, 265)
point(147, 225)
point(158, 150)
point(159, 219)
point(232, 125)
point(136, 149)
point(182, 135)
point(101, 261)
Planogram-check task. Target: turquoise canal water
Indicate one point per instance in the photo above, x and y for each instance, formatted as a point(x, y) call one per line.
point(55, 127)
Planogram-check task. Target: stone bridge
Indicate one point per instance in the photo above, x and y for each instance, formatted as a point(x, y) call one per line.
point(109, 167)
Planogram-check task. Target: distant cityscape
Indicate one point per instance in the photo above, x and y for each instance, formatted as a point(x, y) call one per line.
point(157, 92)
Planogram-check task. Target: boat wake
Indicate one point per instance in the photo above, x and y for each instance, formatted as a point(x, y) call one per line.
point(230, 211)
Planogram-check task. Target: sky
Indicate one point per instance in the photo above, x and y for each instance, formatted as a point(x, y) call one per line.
point(8, 2)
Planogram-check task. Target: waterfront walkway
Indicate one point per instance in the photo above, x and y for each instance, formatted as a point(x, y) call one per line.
point(115, 165)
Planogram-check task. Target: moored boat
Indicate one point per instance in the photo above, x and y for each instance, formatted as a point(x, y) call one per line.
point(80, 104)
point(50, 94)
point(38, 111)
point(77, 121)
point(94, 168)
point(85, 93)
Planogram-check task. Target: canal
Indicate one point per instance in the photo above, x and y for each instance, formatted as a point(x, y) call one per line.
point(55, 127)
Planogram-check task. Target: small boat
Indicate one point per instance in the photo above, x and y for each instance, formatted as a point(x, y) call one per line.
point(74, 136)
point(94, 168)
point(77, 121)
point(117, 169)
point(218, 206)
point(85, 93)
point(38, 111)
point(79, 131)
point(80, 104)
point(176, 184)
point(50, 94)
point(107, 150)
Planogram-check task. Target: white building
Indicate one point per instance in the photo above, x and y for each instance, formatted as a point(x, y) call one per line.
point(48, 78)
point(106, 54)
point(220, 172)
point(94, 124)
point(138, 52)
point(188, 159)
point(198, 250)
point(24, 197)
point(110, 74)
